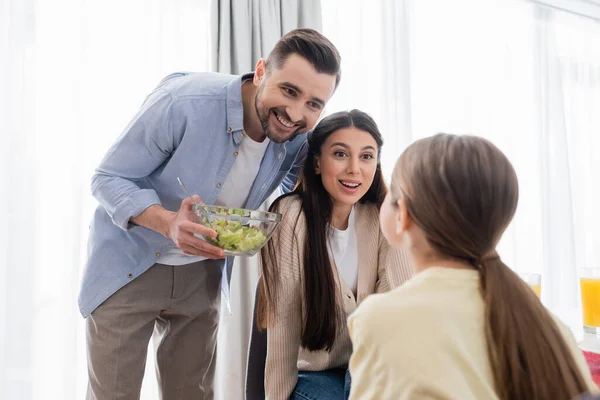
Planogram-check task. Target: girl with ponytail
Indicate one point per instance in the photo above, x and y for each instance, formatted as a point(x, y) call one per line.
point(465, 326)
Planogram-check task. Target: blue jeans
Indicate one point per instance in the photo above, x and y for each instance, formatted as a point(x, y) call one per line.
point(332, 384)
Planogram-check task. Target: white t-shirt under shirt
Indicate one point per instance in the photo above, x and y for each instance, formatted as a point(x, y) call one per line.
point(234, 192)
point(343, 250)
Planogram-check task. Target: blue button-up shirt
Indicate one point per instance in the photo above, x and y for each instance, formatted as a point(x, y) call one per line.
point(190, 126)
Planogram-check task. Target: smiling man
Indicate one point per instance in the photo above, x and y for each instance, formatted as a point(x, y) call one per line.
point(233, 140)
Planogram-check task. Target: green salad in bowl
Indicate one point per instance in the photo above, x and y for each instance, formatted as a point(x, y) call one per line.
point(240, 232)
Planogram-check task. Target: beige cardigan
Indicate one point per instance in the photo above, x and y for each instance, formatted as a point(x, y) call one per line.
point(379, 269)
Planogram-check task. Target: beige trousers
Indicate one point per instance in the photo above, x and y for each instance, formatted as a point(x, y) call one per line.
point(179, 306)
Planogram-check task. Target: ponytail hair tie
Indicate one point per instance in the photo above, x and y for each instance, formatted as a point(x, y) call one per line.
point(491, 256)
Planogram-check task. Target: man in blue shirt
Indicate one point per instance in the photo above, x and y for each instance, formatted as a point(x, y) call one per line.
point(233, 140)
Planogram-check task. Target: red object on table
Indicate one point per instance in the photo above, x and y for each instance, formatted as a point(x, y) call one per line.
point(593, 361)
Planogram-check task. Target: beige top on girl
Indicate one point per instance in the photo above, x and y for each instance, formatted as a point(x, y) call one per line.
point(426, 340)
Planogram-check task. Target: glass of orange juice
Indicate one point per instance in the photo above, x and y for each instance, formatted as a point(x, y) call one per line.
point(534, 281)
point(589, 284)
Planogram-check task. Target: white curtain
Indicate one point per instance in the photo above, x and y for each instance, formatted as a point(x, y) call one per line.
point(525, 76)
point(570, 125)
point(244, 31)
point(72, 74)
point(373, 39)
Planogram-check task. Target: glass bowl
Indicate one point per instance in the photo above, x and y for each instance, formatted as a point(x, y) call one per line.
point(241, 232)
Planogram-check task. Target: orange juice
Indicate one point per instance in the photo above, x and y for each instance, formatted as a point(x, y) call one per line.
point(590, 301)
point(537, 288)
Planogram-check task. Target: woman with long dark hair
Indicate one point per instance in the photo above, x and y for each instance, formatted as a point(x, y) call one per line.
point(465, 326)
point(327, 255)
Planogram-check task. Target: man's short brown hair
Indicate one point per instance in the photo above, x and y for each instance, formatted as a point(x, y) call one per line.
point(311, 45)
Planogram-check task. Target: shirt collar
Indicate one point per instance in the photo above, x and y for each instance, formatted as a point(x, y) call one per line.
point(235, 108)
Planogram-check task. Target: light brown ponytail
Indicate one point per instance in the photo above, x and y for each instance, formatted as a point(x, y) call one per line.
point(529, 357)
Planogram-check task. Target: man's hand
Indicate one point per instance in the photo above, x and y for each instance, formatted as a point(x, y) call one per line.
point(182, 228)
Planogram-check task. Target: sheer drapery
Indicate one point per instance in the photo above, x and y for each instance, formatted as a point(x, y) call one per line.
point(73, 73)
point(520, 74)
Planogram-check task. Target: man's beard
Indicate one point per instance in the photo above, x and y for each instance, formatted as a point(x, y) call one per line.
point(264, 122)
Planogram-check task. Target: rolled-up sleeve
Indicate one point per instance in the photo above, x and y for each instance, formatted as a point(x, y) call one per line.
point(145, 145)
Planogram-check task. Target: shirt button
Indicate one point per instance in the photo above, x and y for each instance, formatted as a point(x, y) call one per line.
point(218, 185)
point(157, 254)
point(129, 276)
point(242, 134)
point(229, 129)
point(235, 153)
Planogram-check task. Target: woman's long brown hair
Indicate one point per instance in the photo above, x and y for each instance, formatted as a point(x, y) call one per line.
point(462, 192)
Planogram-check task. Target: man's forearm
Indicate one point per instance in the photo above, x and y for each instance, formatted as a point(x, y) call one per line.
point(155, 217)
